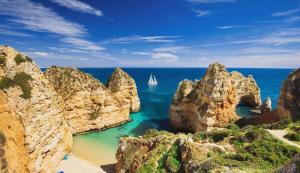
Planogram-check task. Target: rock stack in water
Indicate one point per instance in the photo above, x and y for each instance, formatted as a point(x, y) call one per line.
point(36, 137)
point(123, 86)
point(211, 102)
point(289, 99)
point(91, 105)
point(266, 106)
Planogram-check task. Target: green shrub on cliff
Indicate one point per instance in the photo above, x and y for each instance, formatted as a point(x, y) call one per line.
point(19, 58)
point(2, 60)
point(256, 150)
point(22, 80)
point(94, 114)
point(293, 136)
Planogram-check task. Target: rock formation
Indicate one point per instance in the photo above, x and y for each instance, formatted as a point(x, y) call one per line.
point(89, 104)
point(289, 99)
point(234, 151)
point(36, 114)
point(122, 85)
point(12, 143)
point(266, 106)
point(211, 102)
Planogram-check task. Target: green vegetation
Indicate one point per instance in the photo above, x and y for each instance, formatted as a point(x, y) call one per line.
point(172, 159)
point(22, 80)
point(94, 114)
point(278, 125)
point(20, 59)
point(163, 160)
point(154, 132)
point(256, 149)
point(2, 60)
point(293, 136)
point(213, 136)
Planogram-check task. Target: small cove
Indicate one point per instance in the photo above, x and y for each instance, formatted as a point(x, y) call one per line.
point(100, 147)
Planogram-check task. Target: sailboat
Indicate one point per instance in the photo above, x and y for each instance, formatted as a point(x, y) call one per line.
point(152, 80)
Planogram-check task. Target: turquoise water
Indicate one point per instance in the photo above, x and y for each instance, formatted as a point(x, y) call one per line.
point(100, 147)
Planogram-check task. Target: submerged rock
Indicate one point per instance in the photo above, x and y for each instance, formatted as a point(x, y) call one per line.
point(211, 102)
point(289, 99)
point(266, 106)
point(35, 115)
point(89, 104)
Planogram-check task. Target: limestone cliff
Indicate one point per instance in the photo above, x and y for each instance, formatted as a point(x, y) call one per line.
point(12, 143)
point(211, 102)
point(289, 99)
point(38, 109)
point(89, 104)
point(122, 85)
point(219, 151)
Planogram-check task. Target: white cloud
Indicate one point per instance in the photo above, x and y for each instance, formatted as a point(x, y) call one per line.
point(140, 53)
point(171, 49)
point(41, 54)
point(202, 13)
point(82, 44)
point(230, 27)
point(78, 6)
point(39, 18)
point(145, 39)
point(35, 17)
point(164, 57)
point(286, 13)
point(4, 31)
point(210, 1)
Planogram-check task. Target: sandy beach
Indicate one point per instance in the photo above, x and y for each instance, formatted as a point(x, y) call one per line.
point(75, 164)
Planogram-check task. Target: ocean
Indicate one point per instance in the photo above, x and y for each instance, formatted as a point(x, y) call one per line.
point(100, 147)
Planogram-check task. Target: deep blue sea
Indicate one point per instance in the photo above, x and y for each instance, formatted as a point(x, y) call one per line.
point(100, 147)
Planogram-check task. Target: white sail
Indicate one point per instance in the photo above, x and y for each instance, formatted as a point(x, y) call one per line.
point(152, 80)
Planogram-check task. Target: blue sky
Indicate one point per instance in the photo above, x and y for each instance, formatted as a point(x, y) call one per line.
point(154, 33)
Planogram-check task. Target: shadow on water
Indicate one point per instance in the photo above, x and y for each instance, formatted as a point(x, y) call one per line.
point(159, 124)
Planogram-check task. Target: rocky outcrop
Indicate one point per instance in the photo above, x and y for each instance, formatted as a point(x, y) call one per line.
point(289, 99)
point(122, 85)
point(39, 115)
point(266, 106)
point(12, 142)
point(89, 104)
point(211, 102)
point(235, 151)
point(292, 167)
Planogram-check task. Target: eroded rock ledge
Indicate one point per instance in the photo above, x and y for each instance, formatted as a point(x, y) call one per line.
point(89, 104)
point(211, 102)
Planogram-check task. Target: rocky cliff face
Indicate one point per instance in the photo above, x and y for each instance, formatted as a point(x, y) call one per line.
point(89, 104)
point(289, 99)
point(38, 108)
point(12, 143)
point(122, 85)
point(211, 102)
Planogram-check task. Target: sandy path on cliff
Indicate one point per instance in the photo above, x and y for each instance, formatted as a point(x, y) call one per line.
point(279, 134)
point(75, 164)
